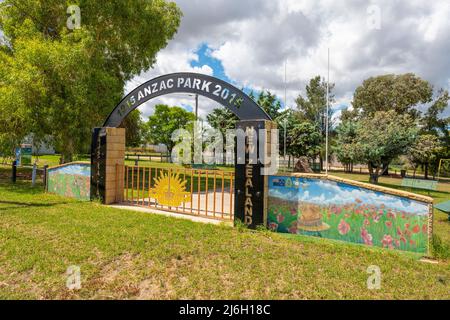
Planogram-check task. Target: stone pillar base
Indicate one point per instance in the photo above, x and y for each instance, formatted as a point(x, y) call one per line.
point(107, 165)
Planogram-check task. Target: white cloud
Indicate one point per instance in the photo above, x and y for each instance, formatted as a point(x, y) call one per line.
point(254, 38)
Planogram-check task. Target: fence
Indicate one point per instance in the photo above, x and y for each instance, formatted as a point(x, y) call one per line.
point(159, 157)
point(32, 173)
point(198, 192)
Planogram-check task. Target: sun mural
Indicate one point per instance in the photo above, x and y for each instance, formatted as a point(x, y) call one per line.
point(170, 190)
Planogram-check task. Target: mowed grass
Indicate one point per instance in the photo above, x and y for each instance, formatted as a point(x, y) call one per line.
point(134, 255)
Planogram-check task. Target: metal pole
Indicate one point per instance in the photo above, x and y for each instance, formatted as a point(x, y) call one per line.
point(196, 106)
point(285, 84)
point(328, 107)
point(285, 137)
point(285, 106)
point(33, 175)
point(45, 177)
point(14, 172)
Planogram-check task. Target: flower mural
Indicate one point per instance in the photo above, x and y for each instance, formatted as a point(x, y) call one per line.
point(344, 212)
point(343, 227)
point(71, 180)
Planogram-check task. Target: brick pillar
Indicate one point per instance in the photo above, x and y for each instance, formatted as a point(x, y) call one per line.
point(251, 184)
point(115, 161)
point(107, 164)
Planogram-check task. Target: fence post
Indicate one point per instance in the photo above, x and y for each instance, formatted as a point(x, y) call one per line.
point(14, 172)
point(33, 175)
point(45, 177)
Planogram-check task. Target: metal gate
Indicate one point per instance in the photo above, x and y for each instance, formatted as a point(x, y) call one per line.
point(198, 192)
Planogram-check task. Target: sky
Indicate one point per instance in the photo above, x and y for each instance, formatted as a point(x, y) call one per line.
point(249, 43)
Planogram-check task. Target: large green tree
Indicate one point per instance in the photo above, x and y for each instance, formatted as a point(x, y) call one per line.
point(381, 138)
point(404, 94)
point(401, 93)
point(59, 82)
point(164, 122)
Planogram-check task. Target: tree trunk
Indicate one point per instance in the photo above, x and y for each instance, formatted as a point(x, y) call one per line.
point(66, 157)
point(385, 169)
point(321, 163)
point(373, 174)
point(426, 171)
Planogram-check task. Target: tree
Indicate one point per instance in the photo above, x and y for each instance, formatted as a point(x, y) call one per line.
point(268, 102)
point(434, 123)
point(401, 93)
point(133, 125)
point(381, 138)
point(344, 146)
point(62, 83)
point(286, 122)
point(313, 108)
point(222, 119)
point(304, 140)
point(424, 151)
point(164, 122)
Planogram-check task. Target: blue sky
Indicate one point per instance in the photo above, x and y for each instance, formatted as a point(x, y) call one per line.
point(205, 58)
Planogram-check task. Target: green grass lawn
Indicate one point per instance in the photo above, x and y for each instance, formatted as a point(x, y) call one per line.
point(134, 255)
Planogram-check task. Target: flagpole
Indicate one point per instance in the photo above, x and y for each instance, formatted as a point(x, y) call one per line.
point(328, 108)
point(285, 106)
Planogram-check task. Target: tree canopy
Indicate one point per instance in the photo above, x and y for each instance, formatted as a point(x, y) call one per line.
point(304, 140)
point(269, 102)
point(61, 83)
point(134, 129)
point(383, 137)
point(164, 122)
point(401, 93)
point(222, 119)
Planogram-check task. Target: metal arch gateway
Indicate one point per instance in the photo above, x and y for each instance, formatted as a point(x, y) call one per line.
point(108, 142)
point(220, 91)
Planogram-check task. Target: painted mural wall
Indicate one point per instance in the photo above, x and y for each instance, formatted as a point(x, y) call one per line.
point(341, 211)
point(72, 180)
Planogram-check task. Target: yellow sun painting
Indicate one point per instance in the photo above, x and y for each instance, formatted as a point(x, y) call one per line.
point(170, 190)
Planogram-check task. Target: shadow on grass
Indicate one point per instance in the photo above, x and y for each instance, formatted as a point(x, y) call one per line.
point(17, 205)
point(22, 186)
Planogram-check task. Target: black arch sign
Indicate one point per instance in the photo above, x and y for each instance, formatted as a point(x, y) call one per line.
point(223, 93)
